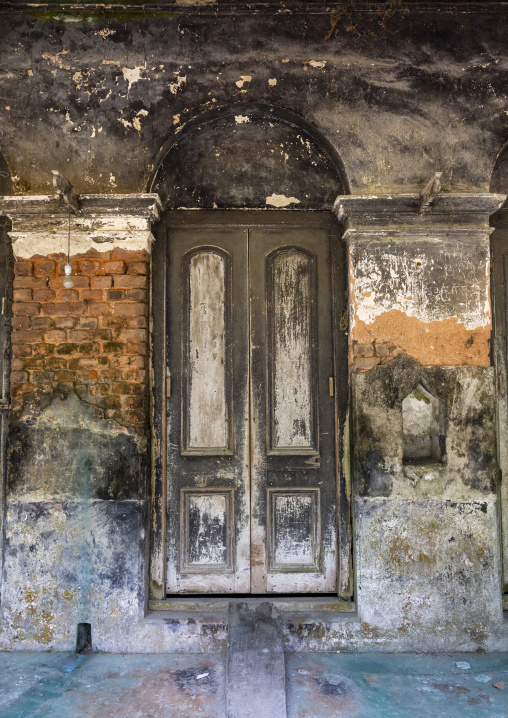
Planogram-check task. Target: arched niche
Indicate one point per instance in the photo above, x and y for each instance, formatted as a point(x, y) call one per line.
point(422, 427)
point(246, 156)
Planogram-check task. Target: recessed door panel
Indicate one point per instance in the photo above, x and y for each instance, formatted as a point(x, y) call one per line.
point(293, 521)
point(291, 365)
point(206, 398)
point(207, 531)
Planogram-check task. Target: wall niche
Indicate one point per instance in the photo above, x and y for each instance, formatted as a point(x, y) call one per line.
point(423, 440)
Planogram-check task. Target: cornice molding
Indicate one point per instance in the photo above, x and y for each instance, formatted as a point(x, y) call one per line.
point(39, 224)
point(225, 7)
point(446, 211)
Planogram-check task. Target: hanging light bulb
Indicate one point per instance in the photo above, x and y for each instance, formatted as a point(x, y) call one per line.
point(68, 281)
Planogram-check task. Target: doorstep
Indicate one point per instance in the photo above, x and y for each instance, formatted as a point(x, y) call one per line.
point(284, 604)
point(303, 620)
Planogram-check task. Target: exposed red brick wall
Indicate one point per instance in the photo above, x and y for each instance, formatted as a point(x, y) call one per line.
point(93, 337)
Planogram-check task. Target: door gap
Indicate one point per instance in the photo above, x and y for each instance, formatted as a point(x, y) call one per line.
point(249, 423)
point(243, 596)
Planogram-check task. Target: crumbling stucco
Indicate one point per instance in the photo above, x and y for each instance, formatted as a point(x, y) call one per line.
point(41, 225)
point(431, 297)
point(88, 86)
point(442, 342)
point(466, 396)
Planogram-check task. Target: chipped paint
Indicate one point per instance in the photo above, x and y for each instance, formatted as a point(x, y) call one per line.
point(26, 245)
point(279, 200)
point(427, 553)
point(243, 79)
point(100, 230)
point(57, 59)
point(105, 32)
point(292, 377)
point(422, 284)
point(206, 359)
point(174, 87)
point(132, 75)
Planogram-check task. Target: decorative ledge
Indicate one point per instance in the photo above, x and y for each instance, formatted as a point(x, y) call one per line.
point(40, 223)
point(464, 210)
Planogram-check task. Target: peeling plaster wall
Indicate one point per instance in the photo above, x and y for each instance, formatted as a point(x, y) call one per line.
point(428, 558)
point(427, 550)
point(428, 294)
point(427, 576)
point(75, 547)
point(100, 97)
point(85, 89)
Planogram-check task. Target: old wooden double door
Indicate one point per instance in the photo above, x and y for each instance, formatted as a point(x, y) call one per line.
point(250, 416)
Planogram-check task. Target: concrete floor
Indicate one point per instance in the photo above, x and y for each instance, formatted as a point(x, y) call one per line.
point(319, 685)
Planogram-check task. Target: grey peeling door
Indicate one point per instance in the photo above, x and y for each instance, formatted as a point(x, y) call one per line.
point(208, 412)
point(293, 495)
point(252, 491)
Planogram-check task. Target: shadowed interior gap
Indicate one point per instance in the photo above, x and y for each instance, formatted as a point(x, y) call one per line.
point(84, 638)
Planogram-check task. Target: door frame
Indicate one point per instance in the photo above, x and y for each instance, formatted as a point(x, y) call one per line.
point(160, 386)
point(499, 298)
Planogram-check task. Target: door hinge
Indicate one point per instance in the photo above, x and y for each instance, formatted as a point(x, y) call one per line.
point(168, 387)
point(331, 390)
point(499, 384)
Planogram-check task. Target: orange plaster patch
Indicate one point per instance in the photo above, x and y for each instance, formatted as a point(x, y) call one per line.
point(442, 342)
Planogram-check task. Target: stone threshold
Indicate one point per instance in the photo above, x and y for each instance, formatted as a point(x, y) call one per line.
point(284, 604)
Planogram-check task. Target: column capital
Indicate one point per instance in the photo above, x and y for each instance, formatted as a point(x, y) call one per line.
point(39, 224)
point(465, 210)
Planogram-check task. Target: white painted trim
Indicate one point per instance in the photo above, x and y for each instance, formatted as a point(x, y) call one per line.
point(40, 223)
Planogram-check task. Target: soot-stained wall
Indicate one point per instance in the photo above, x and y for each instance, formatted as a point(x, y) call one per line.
point(222, 107)
point(98, 93)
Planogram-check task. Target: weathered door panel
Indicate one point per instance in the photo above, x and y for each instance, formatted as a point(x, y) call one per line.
point(293, 494)
point(208, 545)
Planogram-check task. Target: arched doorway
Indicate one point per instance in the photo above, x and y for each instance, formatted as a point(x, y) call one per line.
point(253, 359)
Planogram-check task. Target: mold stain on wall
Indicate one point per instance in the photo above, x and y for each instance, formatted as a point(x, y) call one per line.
point(110, 78)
